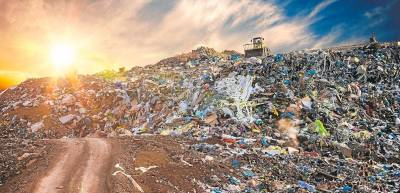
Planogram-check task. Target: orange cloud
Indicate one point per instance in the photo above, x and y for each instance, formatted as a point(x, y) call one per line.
point(111, 34)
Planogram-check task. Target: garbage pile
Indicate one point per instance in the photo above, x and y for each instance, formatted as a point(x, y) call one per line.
point(312, 120)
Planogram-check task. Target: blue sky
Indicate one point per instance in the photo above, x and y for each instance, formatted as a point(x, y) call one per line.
point(113, 33)
point(354, 17)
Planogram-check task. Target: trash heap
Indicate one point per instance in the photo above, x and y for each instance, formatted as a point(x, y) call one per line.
point(312, 120)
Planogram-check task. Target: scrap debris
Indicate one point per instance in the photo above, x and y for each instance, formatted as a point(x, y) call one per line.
point(312, 120)
point(121, 170)
point(145, 169)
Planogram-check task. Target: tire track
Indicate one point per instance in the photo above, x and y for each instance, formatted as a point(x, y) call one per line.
point(81, 168)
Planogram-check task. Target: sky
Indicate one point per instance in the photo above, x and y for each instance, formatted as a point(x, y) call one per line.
point(108, 34)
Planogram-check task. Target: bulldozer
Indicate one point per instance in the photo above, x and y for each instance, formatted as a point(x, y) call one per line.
point(256, 48)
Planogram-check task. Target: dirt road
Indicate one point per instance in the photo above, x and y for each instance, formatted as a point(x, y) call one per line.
point(80, 169)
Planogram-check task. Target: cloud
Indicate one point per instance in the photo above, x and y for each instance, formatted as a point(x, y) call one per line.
point(374, 12)
point(330, 40)
point(377, 15)
point(321, 6)
point(109, 34)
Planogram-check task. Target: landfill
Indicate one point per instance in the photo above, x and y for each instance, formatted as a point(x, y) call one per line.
point(323, 120)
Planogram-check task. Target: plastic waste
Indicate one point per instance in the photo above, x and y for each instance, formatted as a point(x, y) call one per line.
point(235, 164)
point(320, 128)
point(233, 180)
point(346, 188)
point(307, 186)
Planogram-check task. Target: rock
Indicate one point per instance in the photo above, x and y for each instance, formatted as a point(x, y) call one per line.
point(67, 118)
point(37, 126)
point(69, 99)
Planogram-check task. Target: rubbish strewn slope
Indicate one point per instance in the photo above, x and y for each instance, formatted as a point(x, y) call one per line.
point(324, 120)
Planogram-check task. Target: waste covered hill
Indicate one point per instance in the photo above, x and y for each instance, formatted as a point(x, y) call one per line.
point(325, 120)
point(199, 54)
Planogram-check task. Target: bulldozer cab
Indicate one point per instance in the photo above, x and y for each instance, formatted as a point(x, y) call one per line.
point(257, 48)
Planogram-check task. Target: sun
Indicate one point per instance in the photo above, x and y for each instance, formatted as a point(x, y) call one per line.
point(62, 55)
